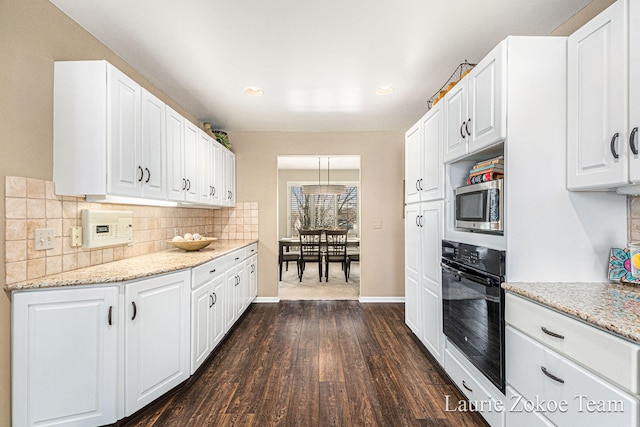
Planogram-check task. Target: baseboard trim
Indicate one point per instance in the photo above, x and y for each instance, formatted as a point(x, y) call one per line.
point(381, 299)
point(269, 300)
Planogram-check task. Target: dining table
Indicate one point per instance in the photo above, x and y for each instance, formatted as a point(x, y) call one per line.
point(286, 243)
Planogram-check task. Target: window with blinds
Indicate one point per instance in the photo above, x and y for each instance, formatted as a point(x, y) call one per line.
point(323, 210)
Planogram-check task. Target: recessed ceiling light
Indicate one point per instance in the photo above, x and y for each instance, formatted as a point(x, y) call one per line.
point(385, 90)
point(253, 91)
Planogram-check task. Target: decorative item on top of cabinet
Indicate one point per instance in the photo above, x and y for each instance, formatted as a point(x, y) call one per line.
point(604, 102)
point(460, 72)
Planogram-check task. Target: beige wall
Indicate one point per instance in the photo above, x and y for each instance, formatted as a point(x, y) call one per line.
point(381, 175)
point(297, 175)
point(33, 34)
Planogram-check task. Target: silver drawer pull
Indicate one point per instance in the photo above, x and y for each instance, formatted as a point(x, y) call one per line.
point(466, 386)
point(553, 334)
point(212, 271)
point(553, 377)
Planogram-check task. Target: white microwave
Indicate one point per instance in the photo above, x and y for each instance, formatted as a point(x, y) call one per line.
point(480, 207)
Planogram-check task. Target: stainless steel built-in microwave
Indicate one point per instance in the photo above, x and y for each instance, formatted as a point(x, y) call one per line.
point(480, 207)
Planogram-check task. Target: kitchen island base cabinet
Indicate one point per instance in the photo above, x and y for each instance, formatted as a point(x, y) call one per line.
point(65, 356)
point(156, 325)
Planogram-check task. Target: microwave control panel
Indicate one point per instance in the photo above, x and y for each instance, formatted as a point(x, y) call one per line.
point(106, 228)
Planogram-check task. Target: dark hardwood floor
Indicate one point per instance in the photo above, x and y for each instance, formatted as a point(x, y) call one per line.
point(314, 363)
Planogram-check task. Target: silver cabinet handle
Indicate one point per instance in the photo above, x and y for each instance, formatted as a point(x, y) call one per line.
point(550, 375)
point(466, 386)
point(613, 145)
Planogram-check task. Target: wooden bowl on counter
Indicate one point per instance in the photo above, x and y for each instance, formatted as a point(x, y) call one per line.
point(192, 245)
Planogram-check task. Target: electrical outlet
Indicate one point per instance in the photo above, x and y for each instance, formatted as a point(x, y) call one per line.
point(76, 236)
point(43, 239)
point(377, 224)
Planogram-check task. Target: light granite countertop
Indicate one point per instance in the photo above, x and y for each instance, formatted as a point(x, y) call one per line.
point(612, 307)
point(134, 268)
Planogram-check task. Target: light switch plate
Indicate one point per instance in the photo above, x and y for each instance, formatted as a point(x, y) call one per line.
point(377, 224)
point(43, 239)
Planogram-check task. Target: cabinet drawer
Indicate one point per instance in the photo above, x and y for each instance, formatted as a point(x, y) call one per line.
point(250, 250)
point(235, 257)
point(207, 271)
point(520, 413)
point(477, 395)
point(590, 401)
point(611, 357)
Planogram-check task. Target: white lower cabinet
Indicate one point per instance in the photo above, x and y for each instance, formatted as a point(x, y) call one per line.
point(65, 357)
point(156, 325)
point(423, 289)
point(489, 403)
point(87, 356)
point(565, 393)
point(207, 310)
point(521, 413)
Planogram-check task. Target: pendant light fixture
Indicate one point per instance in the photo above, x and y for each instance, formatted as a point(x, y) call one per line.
point(327, 188)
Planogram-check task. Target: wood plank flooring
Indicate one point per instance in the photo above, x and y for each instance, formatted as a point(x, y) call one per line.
point(314, 363)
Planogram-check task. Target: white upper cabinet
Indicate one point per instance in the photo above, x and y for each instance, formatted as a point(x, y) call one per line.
point(175, 158)
point(487, 122)
point(597, 81)
point(413, 163)
point(456, 131)
point(229, 162)
point(114, 138)
point(423, 158)
point(123, 139)
point(475, 108)
point(634, 89)
point(154, 150)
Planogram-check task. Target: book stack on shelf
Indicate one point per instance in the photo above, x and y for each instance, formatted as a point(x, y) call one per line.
point(487, 170)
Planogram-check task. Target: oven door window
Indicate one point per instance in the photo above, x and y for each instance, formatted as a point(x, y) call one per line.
point(472, 321)
point(471, 206)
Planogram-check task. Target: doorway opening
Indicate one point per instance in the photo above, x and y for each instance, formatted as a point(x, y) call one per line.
point(331, 202)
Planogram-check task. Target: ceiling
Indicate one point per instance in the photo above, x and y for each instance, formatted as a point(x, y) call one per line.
point(318, 63)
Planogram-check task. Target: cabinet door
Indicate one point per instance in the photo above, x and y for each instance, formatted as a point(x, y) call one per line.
point(217, 316)
point(412, 266)
point(190, 166)
point(156, 337)
point(205, 187)
point(431, 226)
point(242, 289)
point(432, 184)
point(230, 177)
point(455, 117)
point(201, 323)
point(217, 170)
point(412, 163)
point(486, 123)
point(125, 168)
point(634, 90)
point(252, 272)
point(65, 357)
point(175, 155)
point(153, 146)
point(230, 313)
point(596, 102)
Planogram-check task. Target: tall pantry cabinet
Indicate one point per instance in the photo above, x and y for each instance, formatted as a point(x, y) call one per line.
point(424, 224)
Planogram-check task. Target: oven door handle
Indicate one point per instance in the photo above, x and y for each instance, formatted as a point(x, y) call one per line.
point(484, 281)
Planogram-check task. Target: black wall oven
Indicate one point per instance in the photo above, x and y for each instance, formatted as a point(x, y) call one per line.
point(473, 305)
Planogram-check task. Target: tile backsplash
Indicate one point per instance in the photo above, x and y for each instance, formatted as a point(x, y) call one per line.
point(31, 204)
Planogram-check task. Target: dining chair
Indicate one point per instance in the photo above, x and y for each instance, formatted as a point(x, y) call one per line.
point(310, 250)
point(353, 255)
point(291, 254)
point(336, 251)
